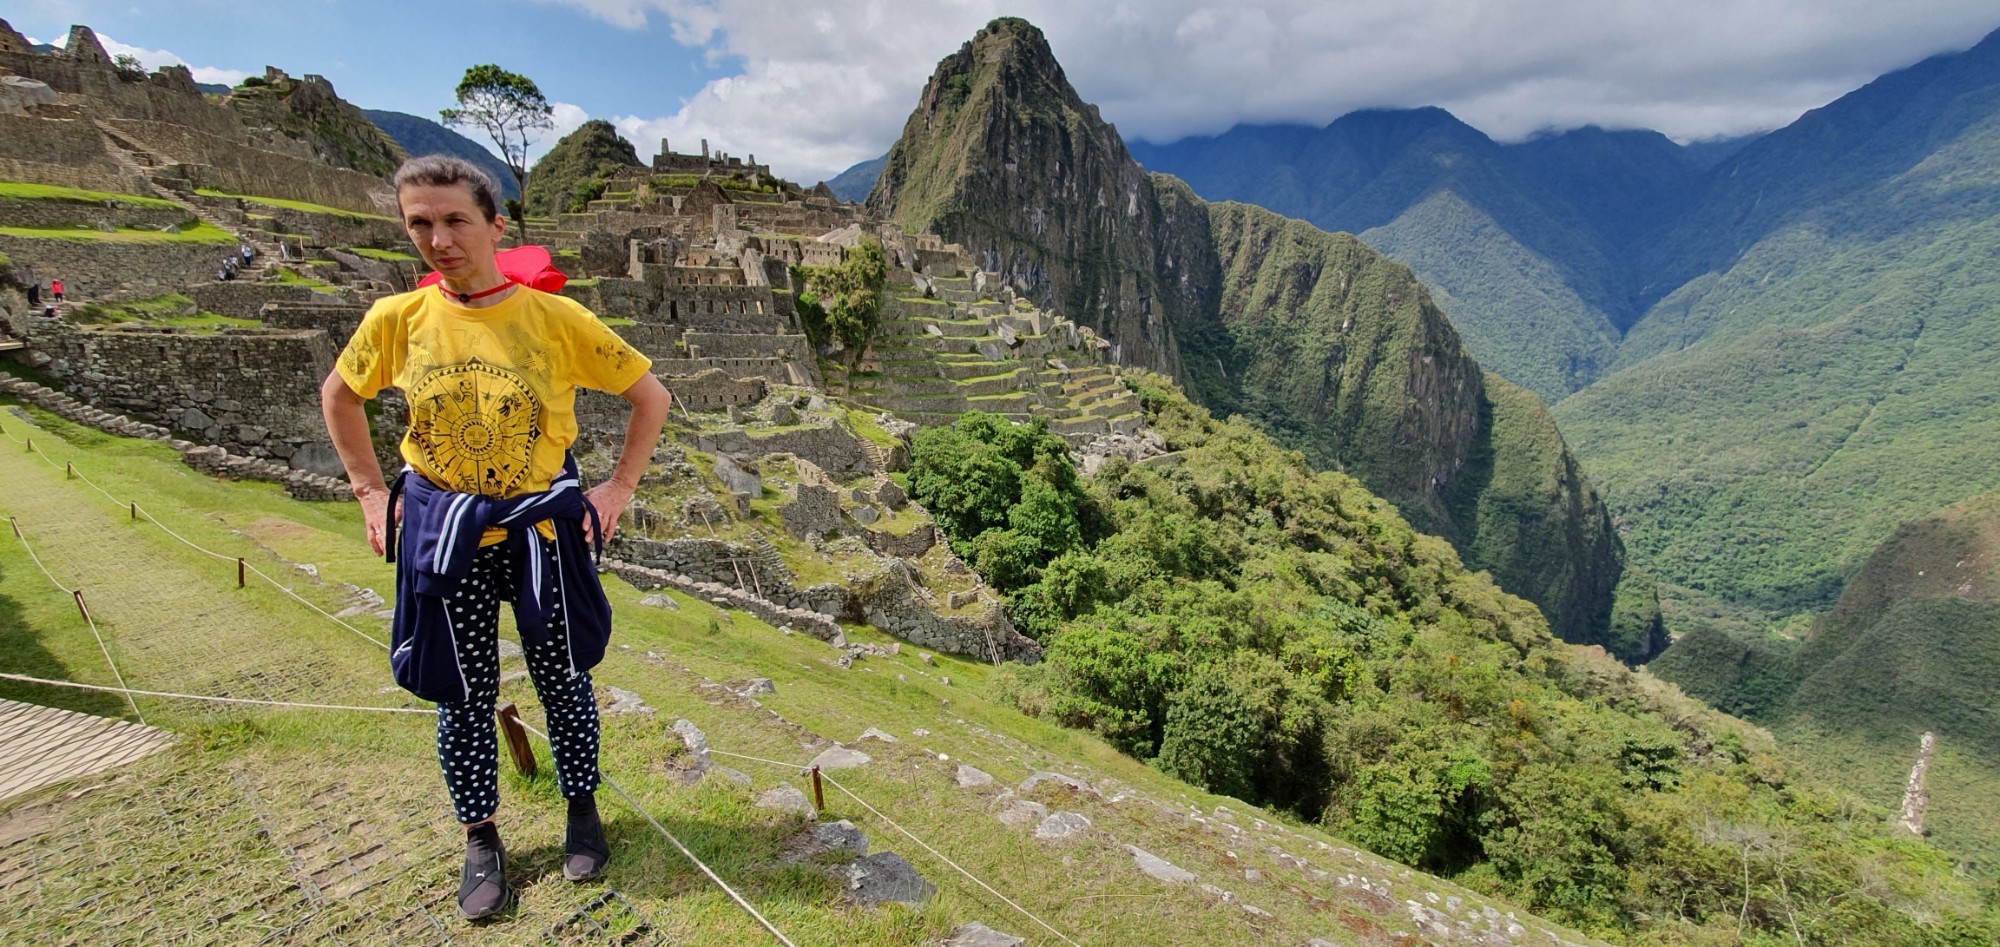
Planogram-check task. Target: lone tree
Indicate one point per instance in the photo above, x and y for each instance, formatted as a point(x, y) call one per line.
point(508, 107)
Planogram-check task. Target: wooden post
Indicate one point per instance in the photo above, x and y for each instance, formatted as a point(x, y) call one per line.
point(31, 443)
point(819, 794)
point(80, 609)
point(517, 738)
point(17, 526)
point(239, 572)
point(135, 509)
point(69, 471)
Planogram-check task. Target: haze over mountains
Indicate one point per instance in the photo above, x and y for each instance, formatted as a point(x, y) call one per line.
point(1760, 346)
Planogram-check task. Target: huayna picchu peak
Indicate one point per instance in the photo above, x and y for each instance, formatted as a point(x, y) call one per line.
point(1335, 350)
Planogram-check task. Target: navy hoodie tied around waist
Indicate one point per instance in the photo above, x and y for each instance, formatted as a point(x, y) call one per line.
point(441, 530)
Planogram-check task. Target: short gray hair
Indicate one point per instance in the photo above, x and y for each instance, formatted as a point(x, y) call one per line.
point(444, 171)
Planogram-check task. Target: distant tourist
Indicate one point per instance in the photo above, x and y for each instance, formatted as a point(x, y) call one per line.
point(243, 250)
point(35, 294)
point(492, 510)
point(55, 286)
point(50, 313)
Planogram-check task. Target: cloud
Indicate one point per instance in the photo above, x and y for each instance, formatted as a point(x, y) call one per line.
point(824, 87)
point(155, 58)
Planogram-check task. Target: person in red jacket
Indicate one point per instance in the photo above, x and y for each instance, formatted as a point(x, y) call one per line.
point(55, 286)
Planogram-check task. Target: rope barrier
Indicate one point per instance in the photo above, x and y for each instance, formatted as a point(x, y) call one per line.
point(70, 470)
point(77, 593)
point(712, 876)
point(1030, 915)
point(710, 873)
point(129, 692)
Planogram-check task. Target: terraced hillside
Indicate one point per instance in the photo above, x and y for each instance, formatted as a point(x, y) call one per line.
point(935, 358)
point(298, 826)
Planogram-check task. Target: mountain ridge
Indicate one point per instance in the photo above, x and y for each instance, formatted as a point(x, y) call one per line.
point(1339, 352)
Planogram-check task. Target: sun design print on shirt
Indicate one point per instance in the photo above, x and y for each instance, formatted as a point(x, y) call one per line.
point(476, 426)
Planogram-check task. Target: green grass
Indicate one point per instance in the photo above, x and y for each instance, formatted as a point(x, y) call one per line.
point(202, 825)
point(208, 322)
point(288, 204)
point(199, 232)
point(292, 277)
point(386, 256)
point(48, 192)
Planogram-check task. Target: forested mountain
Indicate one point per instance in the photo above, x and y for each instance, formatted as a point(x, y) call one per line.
point(1909, 648)
point(422, 136)
point(1791, 329)
point(854, 183)
point(1522, 243)
point(574, 170)
point(1819, 369)
point(1340, 353)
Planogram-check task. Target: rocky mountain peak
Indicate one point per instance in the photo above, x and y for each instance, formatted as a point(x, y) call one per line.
point(1002, 156)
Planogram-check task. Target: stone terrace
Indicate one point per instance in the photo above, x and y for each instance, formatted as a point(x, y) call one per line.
point(933, 358)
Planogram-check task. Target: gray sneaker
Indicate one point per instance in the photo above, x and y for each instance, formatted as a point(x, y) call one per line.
point(482, 885)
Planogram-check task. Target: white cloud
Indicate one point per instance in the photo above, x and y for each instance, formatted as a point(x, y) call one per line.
point(155, 58)
point(567, 118)
point(823, 87)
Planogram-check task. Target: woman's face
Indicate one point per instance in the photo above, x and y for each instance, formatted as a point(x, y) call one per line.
point(450, 231)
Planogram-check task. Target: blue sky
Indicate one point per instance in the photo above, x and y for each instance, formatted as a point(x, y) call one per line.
point(379, 57)
point(812, 88)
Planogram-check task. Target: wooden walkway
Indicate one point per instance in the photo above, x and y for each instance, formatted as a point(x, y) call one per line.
point(45, 745)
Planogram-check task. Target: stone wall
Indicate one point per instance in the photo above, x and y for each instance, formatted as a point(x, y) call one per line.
point(225, 165)
point(745, 345)
point(99, 270)
point(812, 510)
point(246, 300)
point(52, 213)
point(777, 371)
point(252, 391)
point(831, 448)
point(337, 321)
point(894, 607)
point(63, 152)
point(320, 230)
point(661, 343)
point(771, 613)
point(168, 95)
point(710, 560)
point(710, 389)
point(214, 461)
point(908, 546)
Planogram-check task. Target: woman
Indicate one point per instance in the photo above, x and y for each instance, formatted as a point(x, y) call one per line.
point(491, 508)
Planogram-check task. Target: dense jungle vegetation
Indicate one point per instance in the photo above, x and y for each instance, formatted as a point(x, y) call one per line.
point(1281, 635)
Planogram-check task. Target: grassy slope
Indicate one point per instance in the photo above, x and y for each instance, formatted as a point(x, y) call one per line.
point(49, 192)
point(242, 834)
point(302, 206)
point(199, 232)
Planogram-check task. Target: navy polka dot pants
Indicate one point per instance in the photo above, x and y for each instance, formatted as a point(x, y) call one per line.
point(467, 747)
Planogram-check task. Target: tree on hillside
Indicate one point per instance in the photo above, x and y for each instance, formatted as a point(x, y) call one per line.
point(508, 107)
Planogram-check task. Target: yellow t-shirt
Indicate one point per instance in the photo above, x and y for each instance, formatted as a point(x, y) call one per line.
point(492, 392)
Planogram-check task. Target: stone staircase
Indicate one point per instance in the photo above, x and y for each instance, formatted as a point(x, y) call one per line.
point(143, 165)
point(162, 180)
